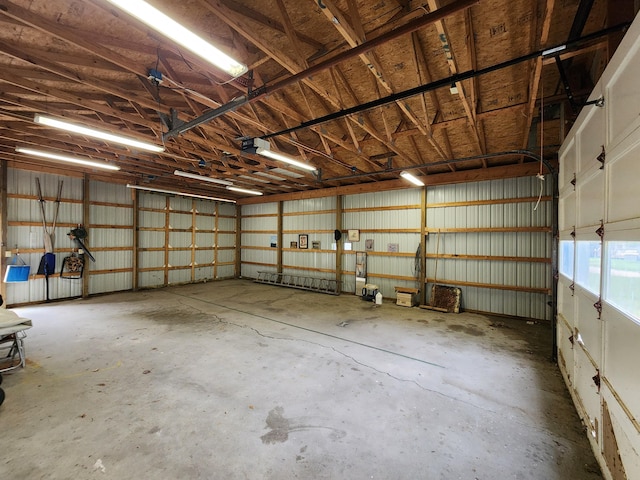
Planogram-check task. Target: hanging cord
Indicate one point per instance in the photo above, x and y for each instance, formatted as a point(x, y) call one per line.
point(540, 176)
point(417, 265)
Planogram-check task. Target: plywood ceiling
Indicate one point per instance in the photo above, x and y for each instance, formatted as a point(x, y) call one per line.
point(88, 62)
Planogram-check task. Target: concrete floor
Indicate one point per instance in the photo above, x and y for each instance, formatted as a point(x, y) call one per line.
point(233, 380)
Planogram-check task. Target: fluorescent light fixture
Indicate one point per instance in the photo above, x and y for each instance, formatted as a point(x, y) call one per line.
point(244, 190)
point(67, 159)
point(412, 179)
point(202, 178)
point(171, 29)
point(265, 152)
point(173, 192)
point(90, 132)
point(553, 50)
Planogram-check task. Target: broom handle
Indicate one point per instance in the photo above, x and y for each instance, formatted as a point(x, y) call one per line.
point(55, 216)
point(41, 200)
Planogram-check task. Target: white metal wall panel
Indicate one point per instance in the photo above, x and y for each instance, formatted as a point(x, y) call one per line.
point(203, 273)
point(152, 200)
point(499, 215)
point(259, 209)
point(22, 182)
point(179, 258)
point(306, 223)
point(308, 205)
point(179, 276)
point(204, 257)
point(226, 239)
point(110, 193)
point(149, 279)
point(204, 222)
point(110, 282)
point(180, 203)
point(204, 240)
point(208, 207)
point(394, 198)
point(180, 221)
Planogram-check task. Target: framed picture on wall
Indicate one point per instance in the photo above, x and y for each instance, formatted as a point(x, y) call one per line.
point(315, 244)
point(303, 240)
point(368, 245)
point(293, 245)
point(354, 235)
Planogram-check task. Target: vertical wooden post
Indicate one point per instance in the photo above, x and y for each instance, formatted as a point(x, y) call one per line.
point(423, 246)
point(136, 238)
point(193, 240)
point(86, 221)
point(339, 244)
point(4, 223)
point(216, 239)
point(279, 236)
point(167, 225)
point(238, 258)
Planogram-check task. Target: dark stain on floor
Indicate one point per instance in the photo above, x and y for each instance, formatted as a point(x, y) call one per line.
point(281, 427)
point(468, 329)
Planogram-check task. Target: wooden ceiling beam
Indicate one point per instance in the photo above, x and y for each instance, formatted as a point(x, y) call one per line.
point(453, 69)
point(354, 36)
point(536, 73)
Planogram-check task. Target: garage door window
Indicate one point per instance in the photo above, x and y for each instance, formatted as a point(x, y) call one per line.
point(622, 277)
point(566, 258)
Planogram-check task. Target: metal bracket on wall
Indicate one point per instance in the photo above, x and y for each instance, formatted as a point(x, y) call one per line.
point(600, 231)
point(598, 307)
point(573, 181)
point(601, 158)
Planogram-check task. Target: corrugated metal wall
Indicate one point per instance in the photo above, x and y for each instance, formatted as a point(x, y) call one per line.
point(486, 238)
point(259, 230)
point(315, 218)
point(110, 237)
point(180, 239)
point(184, 240)
point(493, 241)
point(25, 231)
point(389, 222)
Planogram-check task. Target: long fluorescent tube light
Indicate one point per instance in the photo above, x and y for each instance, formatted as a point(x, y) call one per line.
point(173, 192)
point(171, 29)
point(90, 132)
point(67, 159)
point(244, 190)
point(415, 180)
point(283, 158)
point(203, 178)
point(553, 50)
